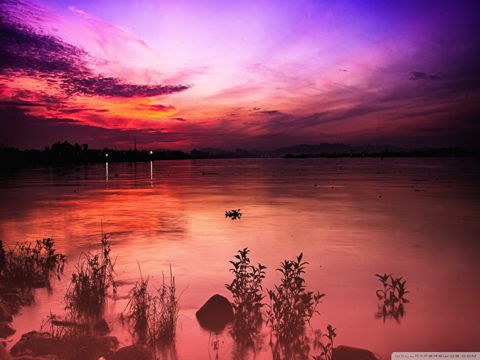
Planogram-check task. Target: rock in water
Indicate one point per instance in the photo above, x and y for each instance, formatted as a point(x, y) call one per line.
point(39, 345)
point(215, 314)
point(133, 352)
point(36, 344)
point(350, 353)
point(5, 314)
point(4, 355)
point(101, 327)
point(6, 330)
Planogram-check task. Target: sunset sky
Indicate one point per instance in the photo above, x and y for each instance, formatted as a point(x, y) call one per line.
point(239, 74)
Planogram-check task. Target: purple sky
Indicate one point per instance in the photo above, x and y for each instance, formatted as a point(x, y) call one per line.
point(250, 74)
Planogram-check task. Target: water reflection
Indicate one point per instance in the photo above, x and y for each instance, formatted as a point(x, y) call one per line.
point(298, 347)
point(151, 173)
point(180, 220)
point(391, 298)
point(167, 352)
point(246, 332)
point(215, 342)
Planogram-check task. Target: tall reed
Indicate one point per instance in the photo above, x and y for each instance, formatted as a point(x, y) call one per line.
point(153, 316)
point(90, 283)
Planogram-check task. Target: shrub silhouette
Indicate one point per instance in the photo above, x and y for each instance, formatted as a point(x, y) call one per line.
point(292, 306)
point(247, 292)
point(30, 265)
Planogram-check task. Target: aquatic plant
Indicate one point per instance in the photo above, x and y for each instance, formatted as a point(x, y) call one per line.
point(154, 316)
point(164, 313)
point(30, 265)
point(327, 348)
point(233, 214)
point(291, 305)
point(247, 292)
point(138, 308)
point(392, 295)
point(90, 283)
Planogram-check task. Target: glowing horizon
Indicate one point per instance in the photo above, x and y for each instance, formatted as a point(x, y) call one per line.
point(246, 74)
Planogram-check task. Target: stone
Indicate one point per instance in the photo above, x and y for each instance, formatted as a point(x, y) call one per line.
point(4, 355)
point(101, 327)
point(105, 345)
point(343, 352)
point(5, 314)
point(90, 347)
point(36, 343)
point(6, 330)
point(42, 345)
point(215, 314)
point(133, 352)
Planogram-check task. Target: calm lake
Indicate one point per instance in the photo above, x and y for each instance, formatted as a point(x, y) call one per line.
point(352, 218)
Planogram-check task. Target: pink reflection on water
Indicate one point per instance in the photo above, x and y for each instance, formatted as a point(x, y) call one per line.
point(351, 219)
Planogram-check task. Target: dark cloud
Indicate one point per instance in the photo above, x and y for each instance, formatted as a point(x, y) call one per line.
point(291, 124)
point(270, 112)
point(19, 103)
point(22, 50)
point(108, 86)
point(79, 110)
point(419, 75)
point(158, 107)
point(26, 52)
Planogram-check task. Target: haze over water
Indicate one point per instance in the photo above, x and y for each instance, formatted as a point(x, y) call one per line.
point(352, 218)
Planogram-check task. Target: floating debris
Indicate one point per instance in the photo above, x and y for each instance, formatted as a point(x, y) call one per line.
point(233, 214)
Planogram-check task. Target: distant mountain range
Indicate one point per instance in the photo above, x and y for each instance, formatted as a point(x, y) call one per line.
point(67, 154)
point(336, 148)
point(331, 150)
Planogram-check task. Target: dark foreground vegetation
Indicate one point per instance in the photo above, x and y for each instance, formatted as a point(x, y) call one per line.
point(64, 153)
point(281, 314)
point(152, 314)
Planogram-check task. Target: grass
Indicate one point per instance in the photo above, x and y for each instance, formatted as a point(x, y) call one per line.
point(74, 336)
point(30, 264)
point(247, 292)
point(139, 307)
point(165, 312)
point(291, 305)
point(154, 315)
point(392, 297)
point(90, 284)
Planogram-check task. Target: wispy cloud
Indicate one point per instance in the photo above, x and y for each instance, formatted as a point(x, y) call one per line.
point(27, 53)
point(276, 73)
